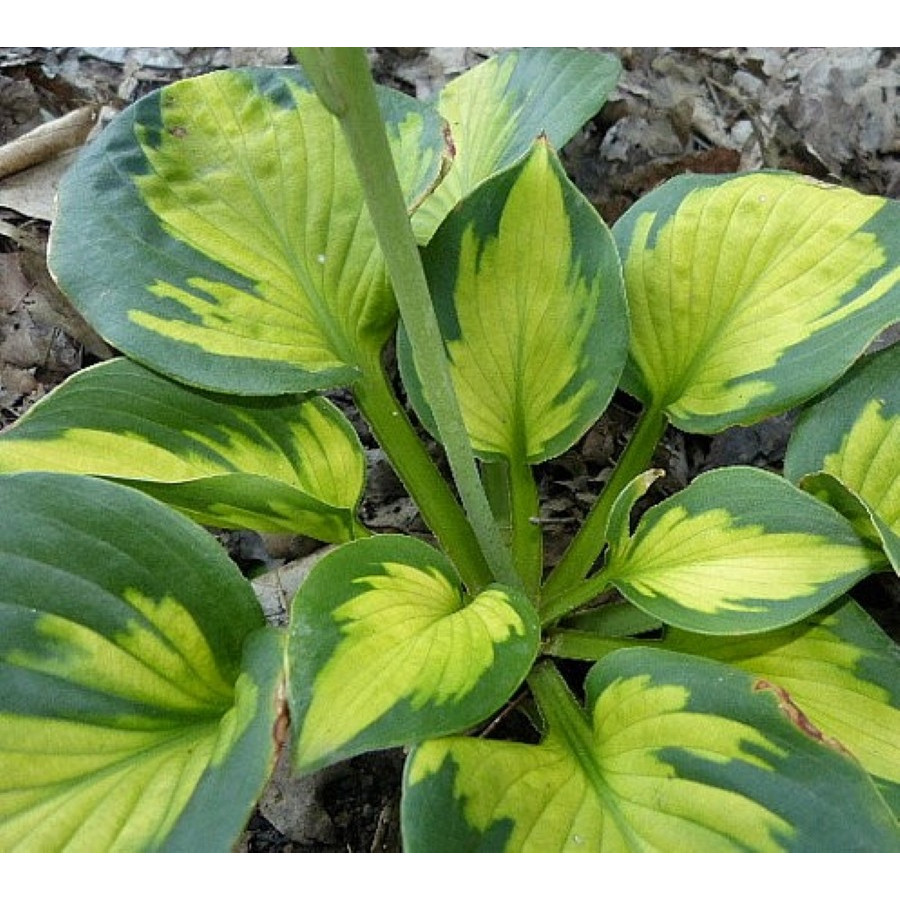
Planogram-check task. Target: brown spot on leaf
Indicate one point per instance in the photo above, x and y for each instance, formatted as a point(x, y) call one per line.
point(179, 131)
point(448, 140)
point(798, 717)
point(281, 727)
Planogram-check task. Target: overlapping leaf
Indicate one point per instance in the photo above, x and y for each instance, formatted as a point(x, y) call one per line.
point(528, 292)
point(216, 232)
point(385, 650)
point(135, 674)
point(840, 669)
point(853, 435)
point(739, 550)
point(289, 464)
point(751, 293)
point(497, 109)
point(673, 753)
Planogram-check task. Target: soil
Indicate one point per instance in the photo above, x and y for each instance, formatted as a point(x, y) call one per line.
point(829, 113)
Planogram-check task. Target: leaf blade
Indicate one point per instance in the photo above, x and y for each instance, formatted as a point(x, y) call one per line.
point(853, 434)
point(497, 109)
point(118, 669)
point(233, 250)
point(684, 755)
point(526, 286)
point(379, 630)
point(290, 464)
point(739, 550)
point(751, 293)
point(839, 668)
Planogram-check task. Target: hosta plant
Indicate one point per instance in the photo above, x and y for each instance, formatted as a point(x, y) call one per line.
point(696, 671)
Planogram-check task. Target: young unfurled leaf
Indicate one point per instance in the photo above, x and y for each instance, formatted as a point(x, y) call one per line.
point(384, 650)
point(739, 550)
point(853, 434)
point(287, 464)
point(672, 753)
point(136, 677)
point(217, 233)
point(497, 109)
point(528, 292)
point(749, 294)
point(840, 669)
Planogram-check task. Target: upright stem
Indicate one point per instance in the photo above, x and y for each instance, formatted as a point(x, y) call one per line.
point(344, 83)
point(587, 544)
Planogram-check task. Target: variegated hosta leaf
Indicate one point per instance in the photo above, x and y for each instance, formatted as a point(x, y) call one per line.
point(853, 434)
point(385, 650)
point(528, 292)
point(286, 464)
point(216, 232)
point(497, 109)
point(673, 753)
point(751, 293)
point(739, 550)
point(137, 682)
point(840, 669)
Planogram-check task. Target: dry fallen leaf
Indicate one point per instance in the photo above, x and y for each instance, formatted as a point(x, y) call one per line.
point(47, 141)
point(32, 193)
